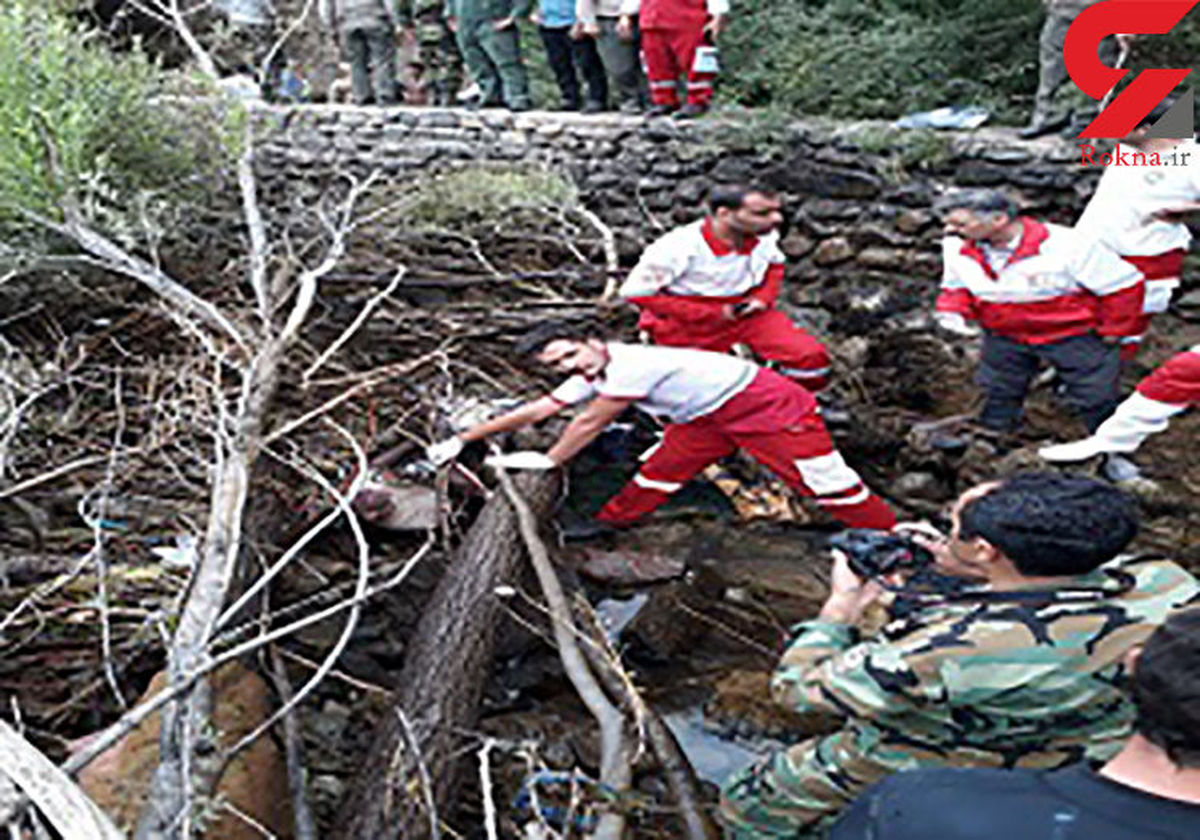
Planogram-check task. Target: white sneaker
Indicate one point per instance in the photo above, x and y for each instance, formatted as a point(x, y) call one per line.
point(468, 93)
point(1076, 450)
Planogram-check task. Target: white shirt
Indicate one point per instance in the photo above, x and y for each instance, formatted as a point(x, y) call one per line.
point(684, 262)
point(1118, 213)
point(671, 382)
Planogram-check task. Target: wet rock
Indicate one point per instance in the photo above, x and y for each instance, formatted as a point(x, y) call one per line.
point(1189, 305)
point(833, 251)
point(919, 485)
point(670, 622)
point(914, 221)
point(802, 175)
point(629, 566)
point(796, 245)
point(883, 258)
point(255, 782)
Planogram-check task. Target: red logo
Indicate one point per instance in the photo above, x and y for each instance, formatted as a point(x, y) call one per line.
point(1096, 79)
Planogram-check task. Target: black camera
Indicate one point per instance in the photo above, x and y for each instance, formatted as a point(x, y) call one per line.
point(873, 553)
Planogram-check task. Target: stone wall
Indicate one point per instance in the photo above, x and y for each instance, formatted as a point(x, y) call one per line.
point(860, 235)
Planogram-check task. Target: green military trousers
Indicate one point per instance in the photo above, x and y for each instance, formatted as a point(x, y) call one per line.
point(494, 61)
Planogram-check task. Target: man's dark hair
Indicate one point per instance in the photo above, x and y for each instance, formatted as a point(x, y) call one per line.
point(976, 201)
point(1050, 523)
point(1166, 688)
point(535, 340)
point(733, 196)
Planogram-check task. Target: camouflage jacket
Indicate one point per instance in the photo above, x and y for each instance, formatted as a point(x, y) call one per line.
point(1029, 678)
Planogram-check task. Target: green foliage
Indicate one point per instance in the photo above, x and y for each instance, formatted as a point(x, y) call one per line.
point(470, 196)
point(883, 58)
point(78, 118)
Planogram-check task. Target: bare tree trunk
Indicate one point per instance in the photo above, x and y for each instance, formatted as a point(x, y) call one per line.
point(440, 686)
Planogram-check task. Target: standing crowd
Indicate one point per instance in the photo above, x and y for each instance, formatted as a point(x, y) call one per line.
point(1036, 679)
point(652, 56)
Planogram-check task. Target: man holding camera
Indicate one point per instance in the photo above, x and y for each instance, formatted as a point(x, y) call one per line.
point(1016, 662)
point(713, 283)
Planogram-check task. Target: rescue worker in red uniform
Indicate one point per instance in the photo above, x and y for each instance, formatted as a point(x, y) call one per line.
point(1171, 389)
point(712, 404)
point(1041, 294)
point(678, 39)
point(713, 284)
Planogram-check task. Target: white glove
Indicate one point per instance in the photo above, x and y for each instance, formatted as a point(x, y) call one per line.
point(953, 322)
point(1076, 450)
point(443, 452)
point(524, 460)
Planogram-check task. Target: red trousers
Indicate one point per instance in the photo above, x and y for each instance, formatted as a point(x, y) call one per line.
point(769, 334)
point(1176, 381)
point(776, 422)
point(1158, 270)
point(668, 54)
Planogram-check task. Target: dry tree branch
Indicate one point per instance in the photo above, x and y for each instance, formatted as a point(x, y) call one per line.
point(293, 744)
point(358, 321)
point(364, 573)
point(615, 771)
point(68, 808)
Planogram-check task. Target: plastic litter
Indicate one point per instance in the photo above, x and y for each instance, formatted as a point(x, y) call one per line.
point(950, 116)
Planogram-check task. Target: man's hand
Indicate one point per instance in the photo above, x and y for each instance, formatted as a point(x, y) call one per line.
point(452, 24)
point(849, 594)
point(737, 311)
point(443, 452)
point(535, 17)
point(581, 30)
point(625, 27)
point(714, 28)
point(523, 460)
point(504, 23)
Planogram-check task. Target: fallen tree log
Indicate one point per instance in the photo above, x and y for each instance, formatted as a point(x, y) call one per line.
point(420, 745)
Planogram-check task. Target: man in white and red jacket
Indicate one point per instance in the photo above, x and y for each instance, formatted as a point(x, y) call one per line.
point(1041, 294)
point(1170, 390)
point(1138, 210)
point(712, 404)
point(672, 33)
point(713, 284)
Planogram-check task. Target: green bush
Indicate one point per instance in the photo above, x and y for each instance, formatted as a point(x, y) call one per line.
point(885, 58)
point(63, 95)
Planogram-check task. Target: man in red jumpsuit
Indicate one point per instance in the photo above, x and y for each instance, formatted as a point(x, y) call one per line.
point(678, 39)
point(712, 404)
point(713, 283)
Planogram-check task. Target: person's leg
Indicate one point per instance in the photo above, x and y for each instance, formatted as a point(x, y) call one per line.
point(699, 80)
point(773, 337)
point(381, 44)
point(803, 455)
point(624, 68)
point(504, 50)
point(592, 69)
point(662, 71)
point(354, 43)
point(1005, 370)
point(480, 66)
point(684, 450)
point(559, 56)
point(1052, 72)
point(1090, 371)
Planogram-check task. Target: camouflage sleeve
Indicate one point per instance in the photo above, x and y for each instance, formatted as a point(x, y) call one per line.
point(823, 669)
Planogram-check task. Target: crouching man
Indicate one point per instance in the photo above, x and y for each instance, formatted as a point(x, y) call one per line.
point(1020, 666)
point(713, 404)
